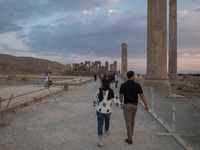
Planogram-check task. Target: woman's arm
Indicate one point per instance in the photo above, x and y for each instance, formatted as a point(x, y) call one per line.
point(95, 98)
point(116, 101)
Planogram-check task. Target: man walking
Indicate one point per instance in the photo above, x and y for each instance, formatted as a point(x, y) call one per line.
point(129, 94)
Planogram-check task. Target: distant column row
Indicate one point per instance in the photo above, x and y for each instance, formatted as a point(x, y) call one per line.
point(93, 66)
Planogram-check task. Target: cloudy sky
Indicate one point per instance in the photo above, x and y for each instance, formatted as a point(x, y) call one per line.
point(70, 31)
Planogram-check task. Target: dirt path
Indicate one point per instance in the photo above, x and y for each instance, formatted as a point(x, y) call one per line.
point(71, 124)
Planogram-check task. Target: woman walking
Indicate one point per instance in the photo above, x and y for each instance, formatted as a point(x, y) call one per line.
point(104, 98)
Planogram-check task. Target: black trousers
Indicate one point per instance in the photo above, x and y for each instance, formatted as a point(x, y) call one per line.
point(116, 82)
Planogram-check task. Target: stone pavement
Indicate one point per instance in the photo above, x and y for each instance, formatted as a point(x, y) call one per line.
point(71, 124)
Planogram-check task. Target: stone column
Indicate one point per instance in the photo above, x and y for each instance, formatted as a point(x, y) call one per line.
point(95, 66)
point(99, 65)
point(124, 60)
point(112, 67)
point(173, 77)
point(115, 65)
point(157, 78)
point(106, 65)
point(92, 68)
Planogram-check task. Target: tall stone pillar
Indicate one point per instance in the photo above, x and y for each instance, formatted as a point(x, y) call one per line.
point(99, 65)
point(115, 65)
point(106, 65)
point(157, 78)
point(92, 68)
point(124, 60)
point(173, 77)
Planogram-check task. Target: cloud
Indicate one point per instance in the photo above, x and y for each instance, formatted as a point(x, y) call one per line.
point(191, 50)
point(197, 9)
point(99, 35)
point(188, 30)
point(10, 42)
point(87, 12)
point(182, 13)
point(78, 29)
point(189, 62)
point(61, 28)
point(79, 5)
point(188, 55)
point(6, 27)
point(13, 11)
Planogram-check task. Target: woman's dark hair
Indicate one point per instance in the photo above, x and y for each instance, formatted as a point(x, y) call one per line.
point(105, 87)
point(105, 84)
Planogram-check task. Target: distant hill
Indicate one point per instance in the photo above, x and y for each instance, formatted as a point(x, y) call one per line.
point(28, 65)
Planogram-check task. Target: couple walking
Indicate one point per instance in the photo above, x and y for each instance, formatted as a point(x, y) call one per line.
point(128, 97)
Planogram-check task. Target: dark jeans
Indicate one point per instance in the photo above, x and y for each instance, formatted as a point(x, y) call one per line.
point(100, 118)
point(116, 82)
point(50, 83)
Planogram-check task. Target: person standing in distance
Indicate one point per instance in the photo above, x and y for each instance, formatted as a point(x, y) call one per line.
point(50, 79)
point(95, 77)
point(116, 80)
point(46, 80)
point(129, 95)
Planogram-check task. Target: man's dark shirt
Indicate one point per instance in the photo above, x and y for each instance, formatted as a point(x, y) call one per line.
point(130, 90)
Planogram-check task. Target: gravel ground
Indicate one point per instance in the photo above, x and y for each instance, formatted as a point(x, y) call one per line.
point(71, 124)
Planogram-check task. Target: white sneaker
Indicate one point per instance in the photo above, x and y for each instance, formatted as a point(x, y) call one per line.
point(100, 143)
point(106, 134)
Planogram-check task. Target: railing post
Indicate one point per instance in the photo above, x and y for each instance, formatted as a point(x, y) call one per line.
point(174, 117)
point(52, 94)
point(11, 97)
point(152, 102)
point(0, 108)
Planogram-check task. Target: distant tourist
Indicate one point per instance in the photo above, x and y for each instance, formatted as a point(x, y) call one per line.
point(109, 77)
point(116, 80)
point(129, 95)
point(50, 79)
point(95, 77)
point(112, 77)
point(105, 76)
point(104, 98)
point(102, 76)
point(46, 80)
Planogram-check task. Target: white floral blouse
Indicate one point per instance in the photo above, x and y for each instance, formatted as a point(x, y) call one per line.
point(105, 105)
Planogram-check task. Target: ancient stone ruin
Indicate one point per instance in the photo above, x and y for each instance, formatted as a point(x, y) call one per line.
point(172, 70)
point(124, 62)
point(157, 77)
point(93, 67)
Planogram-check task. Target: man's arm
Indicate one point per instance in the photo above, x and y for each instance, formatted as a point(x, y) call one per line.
point(144, 101)
point(121, 98)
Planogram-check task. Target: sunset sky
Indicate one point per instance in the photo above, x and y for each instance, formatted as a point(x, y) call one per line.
point(70, 31)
